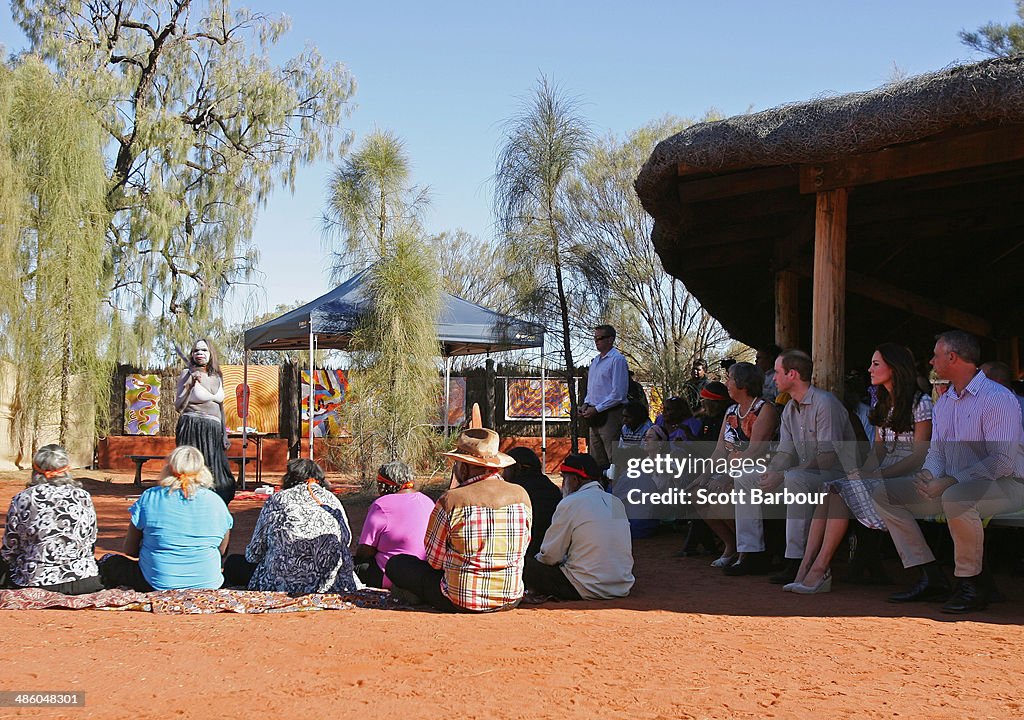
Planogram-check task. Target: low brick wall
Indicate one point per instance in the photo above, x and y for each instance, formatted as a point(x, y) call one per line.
point(113, 450)
point(558, 448)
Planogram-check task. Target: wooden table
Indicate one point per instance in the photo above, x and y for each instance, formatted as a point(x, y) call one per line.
point(256, 437)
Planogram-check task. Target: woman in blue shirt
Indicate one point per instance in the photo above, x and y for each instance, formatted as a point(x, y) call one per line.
point(179, 531)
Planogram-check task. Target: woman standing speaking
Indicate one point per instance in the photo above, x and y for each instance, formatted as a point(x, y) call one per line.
point(200, 400)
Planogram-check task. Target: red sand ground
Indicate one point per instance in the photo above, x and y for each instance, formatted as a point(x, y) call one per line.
point(689, 643)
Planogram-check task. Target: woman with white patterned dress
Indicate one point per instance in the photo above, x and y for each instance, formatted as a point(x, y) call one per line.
point(51, 531)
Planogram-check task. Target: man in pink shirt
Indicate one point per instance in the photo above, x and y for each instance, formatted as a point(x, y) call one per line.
point(395, 524)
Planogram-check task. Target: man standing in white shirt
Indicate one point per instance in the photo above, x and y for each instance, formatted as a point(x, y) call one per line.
point(607, 390)
point(587, 553)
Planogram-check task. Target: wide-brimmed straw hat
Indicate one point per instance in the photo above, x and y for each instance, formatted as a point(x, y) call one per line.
point(479, 446)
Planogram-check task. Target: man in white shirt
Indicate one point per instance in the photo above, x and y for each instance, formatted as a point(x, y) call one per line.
point(974, 469)
point(607, 391)
point(587, 553)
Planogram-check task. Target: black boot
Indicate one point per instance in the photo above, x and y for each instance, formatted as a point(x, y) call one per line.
point(866, 566)
point(700, 535)
point(970, 595)
point(932, 585)
point(788, 573)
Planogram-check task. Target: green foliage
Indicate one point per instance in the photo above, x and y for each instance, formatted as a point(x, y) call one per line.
point(396, 353)
point(200, 127)
point(472, 269)
point(997, 39)
point(661, 327)
point(372, 206)
point(370, 201)
point(54, 276)
point(544, 145)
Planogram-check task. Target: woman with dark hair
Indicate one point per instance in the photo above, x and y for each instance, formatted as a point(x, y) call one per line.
point(51, 531)
point(300, 543)
point(544, 494)
point(200, 400)
point(902, 417)
point(395, 524)
point(677, 420)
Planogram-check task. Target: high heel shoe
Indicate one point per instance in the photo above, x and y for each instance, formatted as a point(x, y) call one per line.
point(823, 586)
point(725, 561)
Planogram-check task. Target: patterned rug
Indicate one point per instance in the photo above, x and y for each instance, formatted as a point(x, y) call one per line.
point(192, 602)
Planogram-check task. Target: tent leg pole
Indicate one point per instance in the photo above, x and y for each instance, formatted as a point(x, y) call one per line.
point(245, 411)
point(543, 414)
point(312, 387)
point(447, 391)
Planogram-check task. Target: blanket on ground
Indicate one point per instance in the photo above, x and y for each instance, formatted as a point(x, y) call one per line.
point(191, 602)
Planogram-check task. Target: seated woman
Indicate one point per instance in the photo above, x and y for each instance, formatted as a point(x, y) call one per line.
point(750, 423)
point(677, 420)
point(544, 494)
point(636, 421)
point(395, 524)
point(644, 519)
point(51, 530)
point(178, 530)
point(300, 543)
point(903, 426)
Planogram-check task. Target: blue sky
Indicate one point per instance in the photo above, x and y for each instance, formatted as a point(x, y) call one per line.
point(444, 75)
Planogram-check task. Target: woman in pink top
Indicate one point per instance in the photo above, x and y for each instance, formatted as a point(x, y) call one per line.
point(395, 524)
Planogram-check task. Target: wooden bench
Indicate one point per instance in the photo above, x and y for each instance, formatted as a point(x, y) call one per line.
point(141, 460)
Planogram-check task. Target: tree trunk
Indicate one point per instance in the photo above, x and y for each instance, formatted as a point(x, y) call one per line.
point(66, 347)
point(570, 368)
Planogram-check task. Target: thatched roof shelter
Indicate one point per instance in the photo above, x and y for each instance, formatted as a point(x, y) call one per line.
point(900, 211)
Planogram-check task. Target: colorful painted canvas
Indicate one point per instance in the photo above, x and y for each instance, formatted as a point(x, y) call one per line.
point(329, 390)
point(142, 404)
point(456, 403)
point(523, 399)
point(654, 398)
point(264, 397)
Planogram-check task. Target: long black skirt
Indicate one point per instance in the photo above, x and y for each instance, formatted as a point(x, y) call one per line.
point(207, 435)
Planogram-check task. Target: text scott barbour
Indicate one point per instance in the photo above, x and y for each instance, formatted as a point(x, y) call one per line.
point(736, 496)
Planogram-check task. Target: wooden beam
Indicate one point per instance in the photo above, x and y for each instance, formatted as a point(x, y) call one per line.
point(1008, 350)
point(725, 256)
point(787, 311)
point(926, 157)
point(828, 322)
point(892, 296)
point(702, 188)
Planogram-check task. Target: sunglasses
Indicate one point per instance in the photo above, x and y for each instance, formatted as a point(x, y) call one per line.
point(602, 337)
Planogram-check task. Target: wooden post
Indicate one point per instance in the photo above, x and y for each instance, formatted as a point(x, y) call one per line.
point(829, 309)
point(489, 383)
point(290, 408)
point(1014, 359)
point(787, 318)
point(1008, 350)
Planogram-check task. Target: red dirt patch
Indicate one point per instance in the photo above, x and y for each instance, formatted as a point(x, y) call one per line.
point(688, 643)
